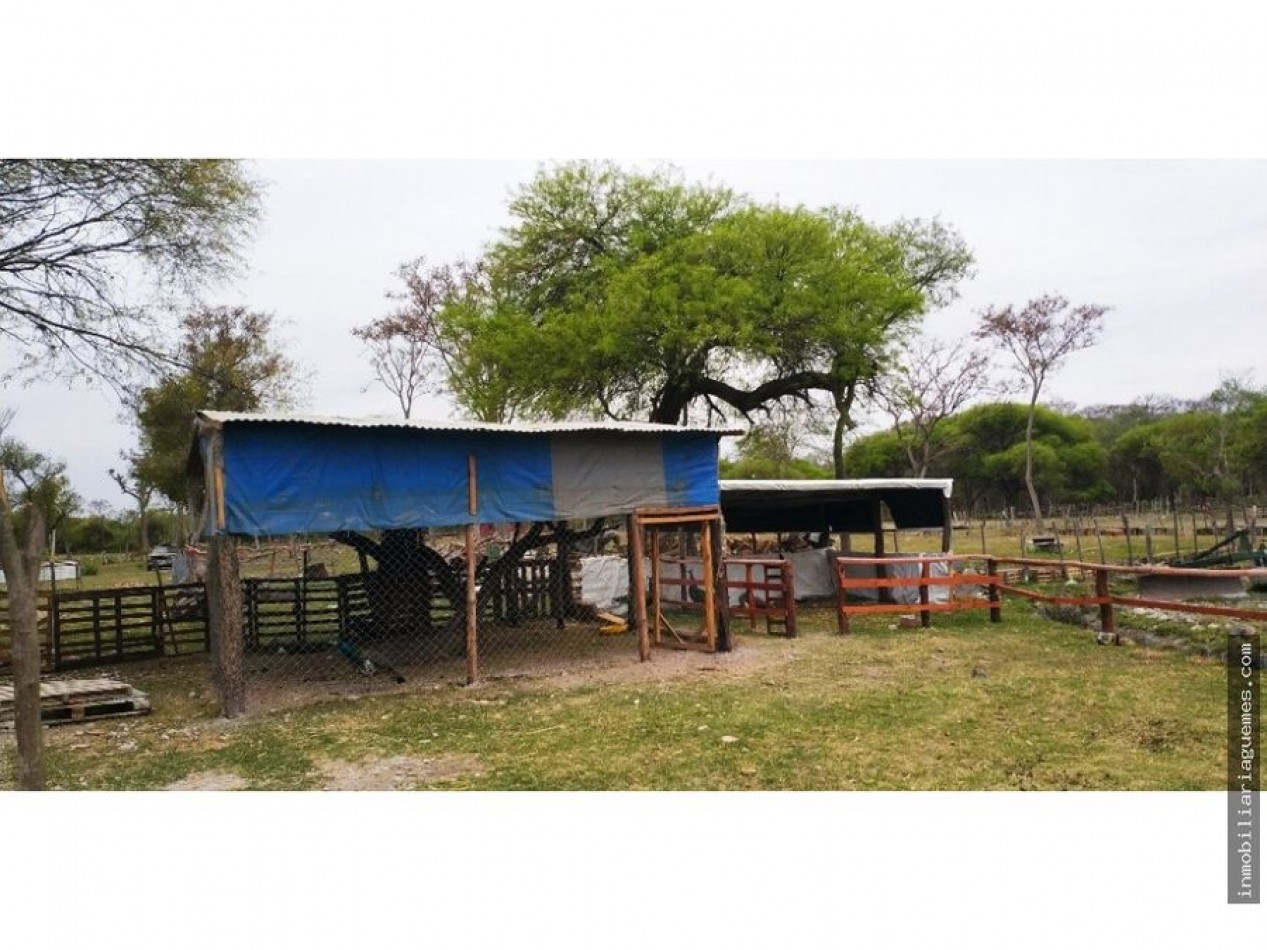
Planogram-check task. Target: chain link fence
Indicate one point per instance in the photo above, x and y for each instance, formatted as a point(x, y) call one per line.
point(392, 607)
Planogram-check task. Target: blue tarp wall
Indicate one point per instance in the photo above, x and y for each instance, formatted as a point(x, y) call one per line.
point(285, 477)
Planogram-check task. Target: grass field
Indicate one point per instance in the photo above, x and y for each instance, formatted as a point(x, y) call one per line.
point(1026, 704)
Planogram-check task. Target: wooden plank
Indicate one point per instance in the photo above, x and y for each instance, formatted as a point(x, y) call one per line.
point(915, 608)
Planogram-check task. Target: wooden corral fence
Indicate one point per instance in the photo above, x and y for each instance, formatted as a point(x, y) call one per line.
point(772, 595)
point(91, 627)
point(768, 590)
point(1102, 597)
point(955, 581)
point(294, 614)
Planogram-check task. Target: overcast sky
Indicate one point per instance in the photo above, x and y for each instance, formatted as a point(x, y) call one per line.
point(1175, 248)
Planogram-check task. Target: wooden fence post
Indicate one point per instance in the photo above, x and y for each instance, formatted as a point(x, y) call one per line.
point(925, 618)
point(992, 569)
point(224, 615)
point(842, 619)
point(789, 598)
point(1108, 624)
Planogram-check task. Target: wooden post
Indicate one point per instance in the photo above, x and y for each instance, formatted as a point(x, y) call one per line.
point(1130, 548)
point(224, 617)
point(1196, 548)
point(562, 586)
point(472, 631)
point(1108, 623)
point(657, 608)
point(925, 618)
point(789, 598)
point(1174, 517)
point(472, 619)
point(992, 568)
point(983, 551)
point(721, 593)
point(637, 597)
point(1148, 542)
point(883, 594)
point(1077, 542)
point(710, 586)
point(1099, 538)
point(947, 532)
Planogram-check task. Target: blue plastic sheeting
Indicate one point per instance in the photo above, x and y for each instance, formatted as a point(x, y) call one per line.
point(303, 478)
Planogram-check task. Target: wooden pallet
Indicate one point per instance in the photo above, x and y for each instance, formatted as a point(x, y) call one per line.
point(63, 701)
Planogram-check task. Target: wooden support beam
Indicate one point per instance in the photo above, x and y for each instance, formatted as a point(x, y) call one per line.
point(710, 586)
point(637, 586)
point(224, 616)
point(472, 612)
point(947, 529)
point(472, 606)
point(656, 595)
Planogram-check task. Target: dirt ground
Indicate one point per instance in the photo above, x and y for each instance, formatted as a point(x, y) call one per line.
point(274, 687)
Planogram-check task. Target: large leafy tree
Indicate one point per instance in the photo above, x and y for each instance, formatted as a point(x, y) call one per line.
point(86, 247)
point(639, 296)
point(231, 361)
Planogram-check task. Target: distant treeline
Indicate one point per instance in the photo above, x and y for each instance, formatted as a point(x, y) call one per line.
point(1211, 451)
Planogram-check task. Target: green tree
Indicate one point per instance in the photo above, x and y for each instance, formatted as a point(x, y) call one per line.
point(135, 486)
point(774, 449)
point(632, 295)
point(983, 449)
point(233, 363)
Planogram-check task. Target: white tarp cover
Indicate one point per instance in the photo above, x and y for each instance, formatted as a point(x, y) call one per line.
point(604, 581)
point(59, 570)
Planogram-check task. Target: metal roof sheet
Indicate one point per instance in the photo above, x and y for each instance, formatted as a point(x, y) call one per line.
point(217, 418)
point(944, 485)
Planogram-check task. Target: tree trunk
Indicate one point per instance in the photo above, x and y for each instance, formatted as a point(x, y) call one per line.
point(1029, 461)
point(843, 401)
point(144, 517)
point(22, 571)
point(224, 616)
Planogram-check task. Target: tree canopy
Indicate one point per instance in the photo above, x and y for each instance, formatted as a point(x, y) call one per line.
point(233, 363)
point(636, 295)
point(85, 244)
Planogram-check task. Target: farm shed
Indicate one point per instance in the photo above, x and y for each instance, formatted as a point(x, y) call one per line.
point(383, 487)
point(837, 506)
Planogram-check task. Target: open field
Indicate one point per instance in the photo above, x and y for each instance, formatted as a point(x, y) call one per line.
point(1026, 704)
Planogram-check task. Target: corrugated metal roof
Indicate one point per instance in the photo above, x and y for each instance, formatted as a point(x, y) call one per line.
point(944, 485)
point(454, 425)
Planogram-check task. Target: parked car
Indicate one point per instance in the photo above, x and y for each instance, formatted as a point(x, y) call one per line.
point(160, 558)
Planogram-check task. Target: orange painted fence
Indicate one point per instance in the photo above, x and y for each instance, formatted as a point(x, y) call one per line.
point(768, 586)
point(992, 579)
point(953, 581)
